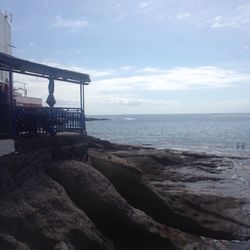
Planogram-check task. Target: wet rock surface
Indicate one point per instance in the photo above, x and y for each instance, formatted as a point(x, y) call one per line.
point(124, 198)
point(206, 194)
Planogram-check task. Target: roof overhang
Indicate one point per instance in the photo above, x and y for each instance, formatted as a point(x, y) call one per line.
point(17, 65)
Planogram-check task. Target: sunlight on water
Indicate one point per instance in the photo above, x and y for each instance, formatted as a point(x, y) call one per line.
point(214, 133)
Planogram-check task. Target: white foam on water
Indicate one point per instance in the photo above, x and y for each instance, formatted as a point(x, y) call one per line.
point(129, 119)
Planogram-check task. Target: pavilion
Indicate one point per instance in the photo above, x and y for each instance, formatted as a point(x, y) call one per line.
point(19, 121)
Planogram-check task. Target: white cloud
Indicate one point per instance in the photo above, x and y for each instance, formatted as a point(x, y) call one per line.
point(183, 15)
point(126, 67)
point(31, 44)
point(132, 101)
point(174, 79)
point(143, 5)
point(127, 94)
point(121, 17)
point(109, 94)
point(223, 106)
point(77, 51)
point(221, 21)
point(151, 70)
point(239, 18)
point(198, 15)
point(72, 24)
point(127, 104)
point(94, 73)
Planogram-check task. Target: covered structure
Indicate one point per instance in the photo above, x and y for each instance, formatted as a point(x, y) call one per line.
point(15, 121)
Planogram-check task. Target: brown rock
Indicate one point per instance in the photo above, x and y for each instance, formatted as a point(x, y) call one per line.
point(92, 192)
point(8, 242)
point(200, 214)
point(61, 246)
point(39, 214)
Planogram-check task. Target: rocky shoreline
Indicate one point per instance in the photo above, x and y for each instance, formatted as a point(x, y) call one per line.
point(66, 193)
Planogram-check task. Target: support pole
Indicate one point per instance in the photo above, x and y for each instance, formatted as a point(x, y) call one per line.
point(81, 99)
point(83, 107)
point(12, 121)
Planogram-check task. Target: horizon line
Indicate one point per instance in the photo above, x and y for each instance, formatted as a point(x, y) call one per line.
point(198, 113)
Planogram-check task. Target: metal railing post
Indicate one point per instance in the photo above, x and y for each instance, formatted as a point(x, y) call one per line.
point(10, 99)
point(83, 109)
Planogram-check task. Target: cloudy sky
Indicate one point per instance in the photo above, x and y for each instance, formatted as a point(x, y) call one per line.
point(152, 56)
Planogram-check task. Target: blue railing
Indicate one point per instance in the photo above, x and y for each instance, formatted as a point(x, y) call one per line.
point(44, 120)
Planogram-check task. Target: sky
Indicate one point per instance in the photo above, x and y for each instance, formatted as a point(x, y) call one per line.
point(143, 57)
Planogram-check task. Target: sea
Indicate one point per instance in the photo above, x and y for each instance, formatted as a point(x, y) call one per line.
point(222, 134)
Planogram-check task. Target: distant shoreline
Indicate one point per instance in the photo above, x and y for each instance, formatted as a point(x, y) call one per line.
point(88, 119)
point(157, 114)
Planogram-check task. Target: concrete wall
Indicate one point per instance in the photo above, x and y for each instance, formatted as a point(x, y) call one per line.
point(5, 40)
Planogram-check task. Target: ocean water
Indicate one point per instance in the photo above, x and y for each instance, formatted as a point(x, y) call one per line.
point(212, 133)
